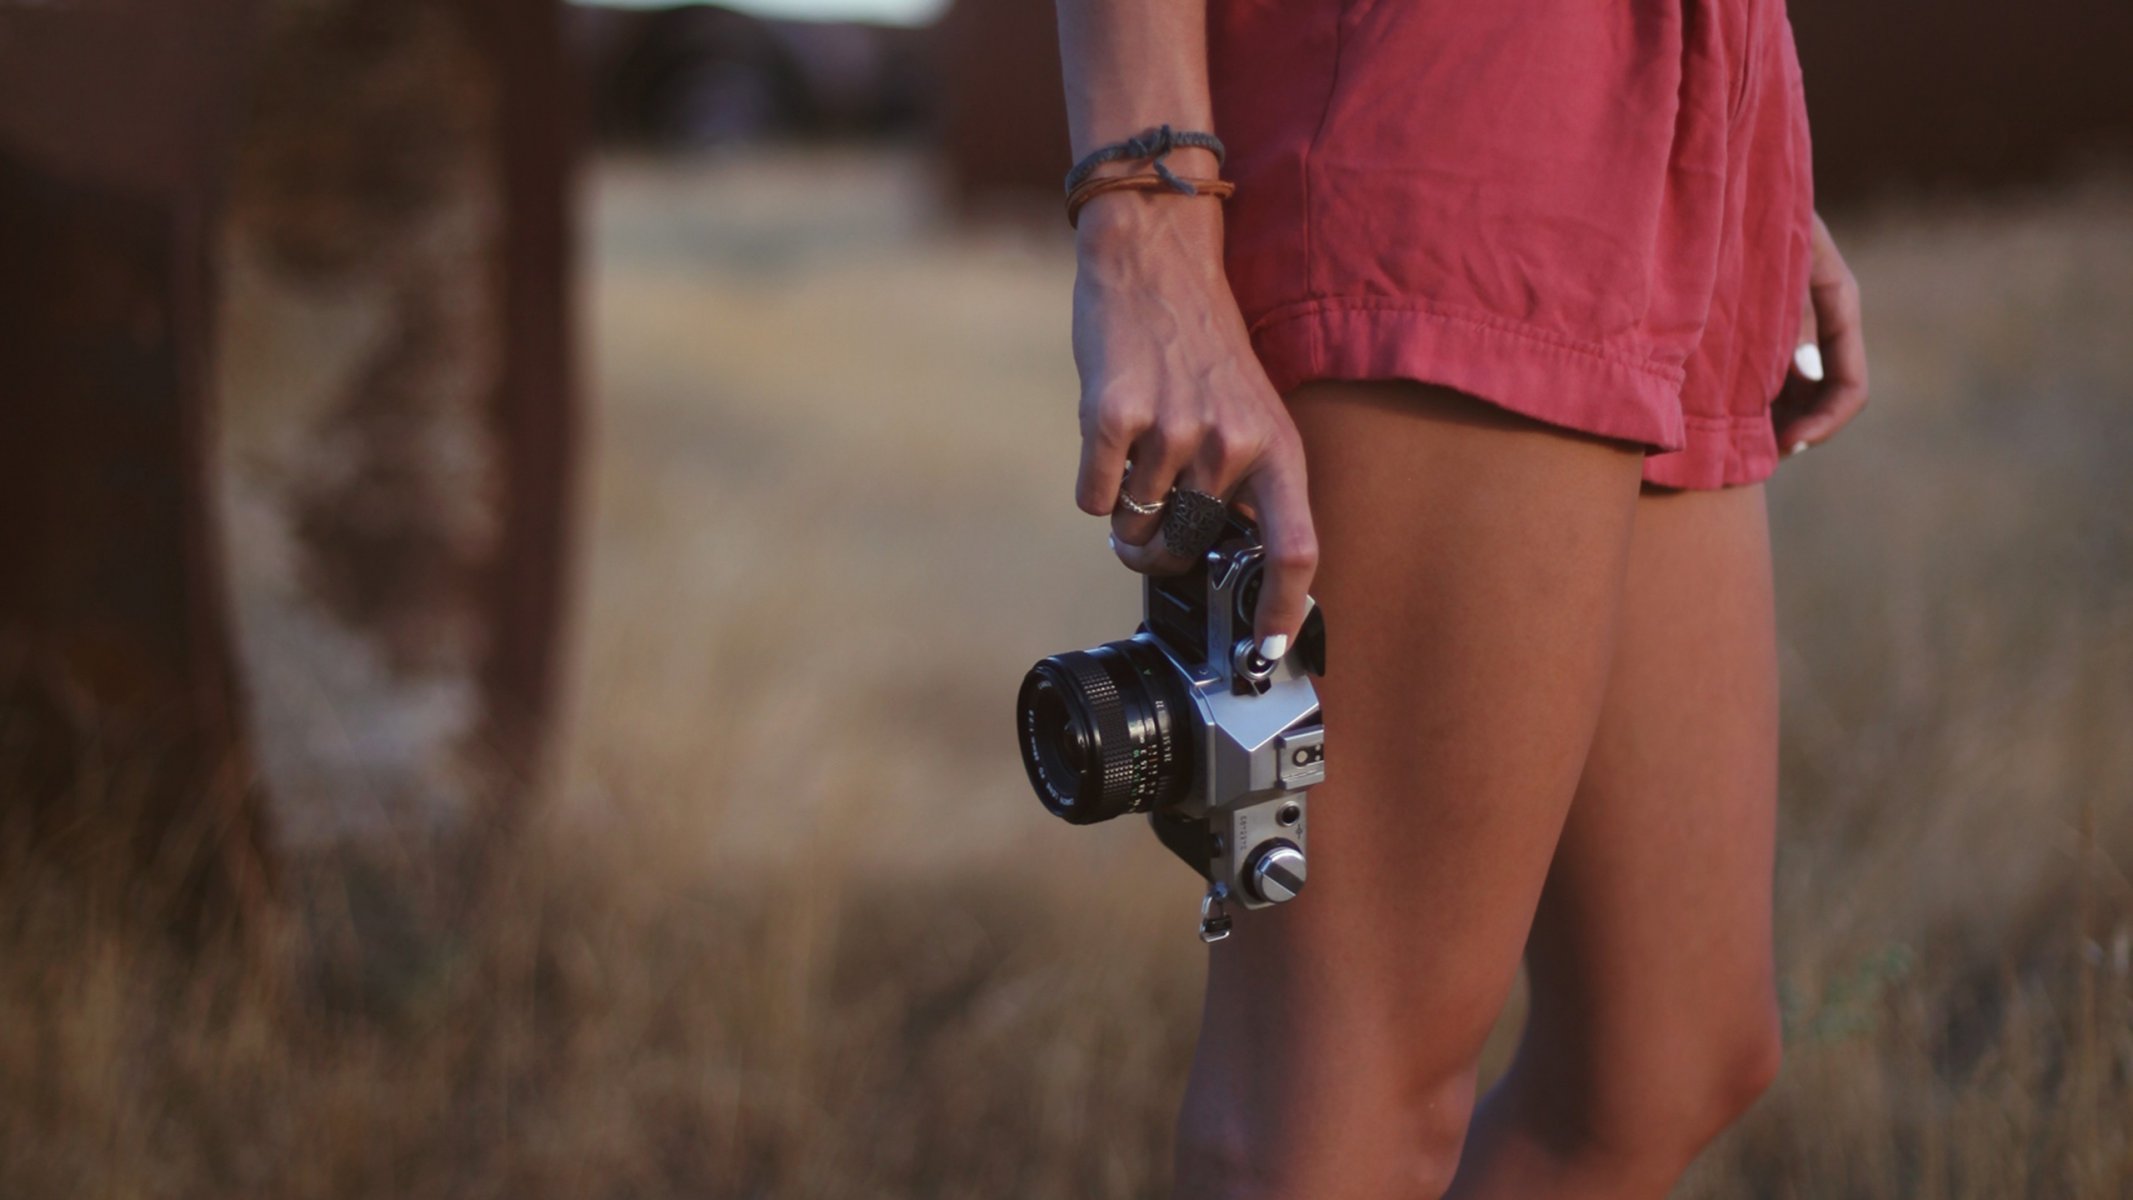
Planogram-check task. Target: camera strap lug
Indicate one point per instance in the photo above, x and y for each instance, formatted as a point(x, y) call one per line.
point(1214, 917)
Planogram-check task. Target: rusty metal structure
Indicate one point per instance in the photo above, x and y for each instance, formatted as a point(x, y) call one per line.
point(119, 724)
point(397, 404)
point(286, 416)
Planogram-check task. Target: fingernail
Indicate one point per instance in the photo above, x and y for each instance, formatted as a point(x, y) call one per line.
point(1797, 448)
point(1112, 540)
point(1807, 360)
point(1273, 646)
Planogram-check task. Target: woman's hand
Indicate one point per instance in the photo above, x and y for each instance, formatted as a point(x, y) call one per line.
point(1169, 383)
point(1827, 388)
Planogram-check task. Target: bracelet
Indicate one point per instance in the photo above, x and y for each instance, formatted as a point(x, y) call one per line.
point(1149, 146)
point(1090, 189)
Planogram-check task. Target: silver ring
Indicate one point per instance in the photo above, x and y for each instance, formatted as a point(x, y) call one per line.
point(1134, 506)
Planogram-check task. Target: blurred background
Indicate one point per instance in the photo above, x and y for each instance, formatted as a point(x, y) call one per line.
point(520, 524)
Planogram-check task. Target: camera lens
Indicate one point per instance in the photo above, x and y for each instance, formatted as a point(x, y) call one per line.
point(1105, 732)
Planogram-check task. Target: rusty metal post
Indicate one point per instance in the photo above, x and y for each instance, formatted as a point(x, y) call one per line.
point(399, 404)
point(118, 723)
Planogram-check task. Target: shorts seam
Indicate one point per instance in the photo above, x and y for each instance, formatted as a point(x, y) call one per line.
point(1318, 133)
point(1541, 338)
point(1748, 77)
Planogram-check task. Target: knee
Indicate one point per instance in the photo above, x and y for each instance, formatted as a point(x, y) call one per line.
point(1762, 1055)
point(1428, 1133)
point(1650, 1107)
point(1395, 1143)
point(1736, 1069)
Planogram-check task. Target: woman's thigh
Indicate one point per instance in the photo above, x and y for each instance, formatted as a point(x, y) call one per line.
point(1471, 572)
point(1654, 1005)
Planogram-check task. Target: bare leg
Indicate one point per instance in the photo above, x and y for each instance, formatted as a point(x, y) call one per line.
point(1654, 1017)
point(1472, 570)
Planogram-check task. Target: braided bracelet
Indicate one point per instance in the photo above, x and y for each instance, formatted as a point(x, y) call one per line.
point(1150, 146)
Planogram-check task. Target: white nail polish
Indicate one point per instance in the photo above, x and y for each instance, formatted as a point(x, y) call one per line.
point(1797, 448)
point(1273, 646)
point(1807, 360)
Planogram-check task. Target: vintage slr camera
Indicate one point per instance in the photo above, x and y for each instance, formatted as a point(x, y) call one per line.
point(1186, 722)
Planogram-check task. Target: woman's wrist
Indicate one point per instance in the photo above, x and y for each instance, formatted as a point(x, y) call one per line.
point(1151, 226)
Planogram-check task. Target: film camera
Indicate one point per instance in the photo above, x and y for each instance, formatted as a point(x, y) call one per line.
point(1186, 722)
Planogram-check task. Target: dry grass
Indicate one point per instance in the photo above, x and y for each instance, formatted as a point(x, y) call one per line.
point(793, 927)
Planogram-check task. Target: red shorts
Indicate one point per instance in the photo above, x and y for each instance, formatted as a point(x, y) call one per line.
point(1596, 213)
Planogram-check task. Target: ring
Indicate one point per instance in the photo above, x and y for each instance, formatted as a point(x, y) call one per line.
point(1134, 506)
point(1129, 503)
point(1193, 522)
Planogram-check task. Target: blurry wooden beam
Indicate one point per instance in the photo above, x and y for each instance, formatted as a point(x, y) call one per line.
point(399, 417)
point(120, 744)
point(1962, 95)
point(532, 404)
point(1003, 110)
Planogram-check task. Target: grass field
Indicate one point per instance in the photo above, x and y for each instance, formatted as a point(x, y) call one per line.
point(793, 927)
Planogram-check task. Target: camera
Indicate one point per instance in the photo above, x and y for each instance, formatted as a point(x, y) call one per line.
point(1186, 722)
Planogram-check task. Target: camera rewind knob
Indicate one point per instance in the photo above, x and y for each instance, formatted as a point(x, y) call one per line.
point(1276, 873)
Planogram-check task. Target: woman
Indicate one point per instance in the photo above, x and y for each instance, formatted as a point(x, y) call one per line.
point(1519, 283)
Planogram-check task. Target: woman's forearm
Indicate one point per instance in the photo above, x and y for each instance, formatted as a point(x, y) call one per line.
point(1169, 382)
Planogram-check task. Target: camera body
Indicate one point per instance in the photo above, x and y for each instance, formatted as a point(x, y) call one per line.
point(1186, 722)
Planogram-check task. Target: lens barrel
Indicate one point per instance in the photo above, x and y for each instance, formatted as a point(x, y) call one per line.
point(1105, 732)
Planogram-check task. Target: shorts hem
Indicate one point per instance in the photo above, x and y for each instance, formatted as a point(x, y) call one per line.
point(1723, 452)
point(1535, 373)
point(1532, 372)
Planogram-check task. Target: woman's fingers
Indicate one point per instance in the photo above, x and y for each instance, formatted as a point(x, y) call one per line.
point(1228, 443)
point(1815, 411)
point(1110, 421)
point(1843, 345)
point(1211, 459)
point(1149, 559)
point(1277, 493)
point(1140, 504)
point(1160, 457)
point(1151, 553)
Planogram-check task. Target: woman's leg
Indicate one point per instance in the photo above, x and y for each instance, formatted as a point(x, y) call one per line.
point(1654, 1016)
point(1471, 570)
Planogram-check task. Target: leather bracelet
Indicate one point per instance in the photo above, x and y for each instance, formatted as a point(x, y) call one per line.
point(1090, 189)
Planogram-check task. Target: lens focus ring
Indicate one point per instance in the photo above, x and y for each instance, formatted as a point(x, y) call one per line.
point(1115, 767)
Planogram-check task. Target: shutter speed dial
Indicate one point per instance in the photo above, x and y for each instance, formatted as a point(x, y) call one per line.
point(1276, 873)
